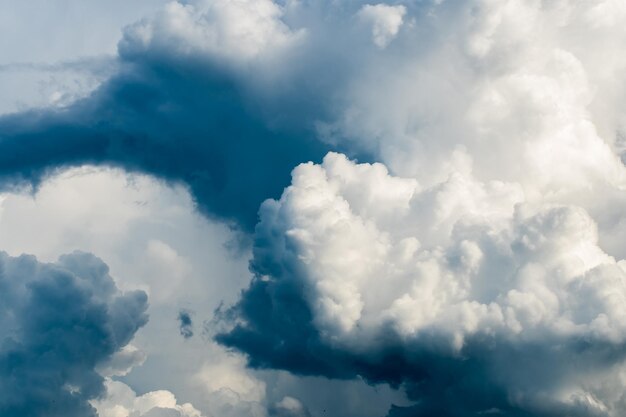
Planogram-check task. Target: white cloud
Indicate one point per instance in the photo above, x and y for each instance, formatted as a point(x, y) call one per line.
point(290, 407)
point(385, 21)
point(229, 388)
point(228, 30)
point(122, 362)
point(445, 266)
point(122, 401)
point(500, 82)
point(427, 258)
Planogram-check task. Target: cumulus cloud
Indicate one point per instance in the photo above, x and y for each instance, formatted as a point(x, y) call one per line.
point(385, 21)
point(289, 407)
point(464, 289)
point(478, 264)
point(153, 239)
point(485, 274)
point(59, 323)
point(229, 388)
point(228, 96)
point(231, 30)
point(122, 401)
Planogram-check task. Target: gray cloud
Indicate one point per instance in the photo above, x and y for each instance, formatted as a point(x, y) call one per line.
point(185, 324)
point(59, 322)
point(184, 115)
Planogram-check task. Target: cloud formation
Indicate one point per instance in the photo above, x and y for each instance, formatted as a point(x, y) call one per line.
point(228, 96)
point(121, 400)
point(385, 21)
point(289, 407)
point(181, 108)
point(477, 264)
point(59, 322)
point(462, 290)
point(485, 274)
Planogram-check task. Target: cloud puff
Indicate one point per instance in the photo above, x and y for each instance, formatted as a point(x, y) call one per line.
point(463, 290)
point(497, 89)
point(385, 21)
point(229, 388)
point(289, 407)
point(235, 31)
point(185, 324)
point(59, 323)
point(122, 401)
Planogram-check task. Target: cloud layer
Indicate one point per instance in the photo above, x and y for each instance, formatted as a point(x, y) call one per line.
point(59, 322)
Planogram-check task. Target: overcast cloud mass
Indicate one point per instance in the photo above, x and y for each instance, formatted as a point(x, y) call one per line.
point(327, 208)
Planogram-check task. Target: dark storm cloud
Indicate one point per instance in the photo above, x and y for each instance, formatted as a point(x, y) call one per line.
point(183, 123)
point(279, 334)
point(59, 321)
point(228, 118)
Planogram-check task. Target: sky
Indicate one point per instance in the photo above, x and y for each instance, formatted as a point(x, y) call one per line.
point(312, 208)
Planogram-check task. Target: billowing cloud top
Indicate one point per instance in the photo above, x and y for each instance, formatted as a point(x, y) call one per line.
point(439, 288)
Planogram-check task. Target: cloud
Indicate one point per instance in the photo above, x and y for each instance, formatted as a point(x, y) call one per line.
point(385, 21)
point(228, 96)
point(153, 240)
point(178, 109)
point(471, 297)
point(289, 407)
point(477, 265)
point(122, 362)
point(124, 218)
point(122, 401)
point(481, 275)
point(59, 323)
point(234, 32)
point(185, 324)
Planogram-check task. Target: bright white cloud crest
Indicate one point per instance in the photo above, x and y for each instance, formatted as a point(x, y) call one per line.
point(385, 20)
point(121, 401)
point(457, 259)
point(461, 261)
point(234, 31)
